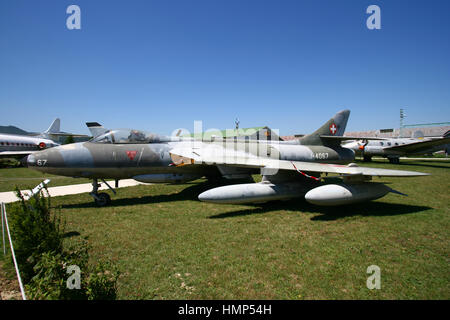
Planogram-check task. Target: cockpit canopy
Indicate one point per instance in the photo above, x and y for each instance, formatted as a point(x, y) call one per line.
point(127, 136)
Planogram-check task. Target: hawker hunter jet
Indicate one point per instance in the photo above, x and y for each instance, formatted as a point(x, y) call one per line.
point(289, 169)
point(394, 148)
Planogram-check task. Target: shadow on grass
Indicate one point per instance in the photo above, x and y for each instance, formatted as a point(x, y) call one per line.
point(189, 193)
point(328, 213)
point(71, 234)
point(370, 208)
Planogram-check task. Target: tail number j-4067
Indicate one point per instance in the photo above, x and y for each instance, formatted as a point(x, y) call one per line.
point(321, 155)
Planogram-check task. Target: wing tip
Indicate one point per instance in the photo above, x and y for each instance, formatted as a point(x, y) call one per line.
point(93, 124)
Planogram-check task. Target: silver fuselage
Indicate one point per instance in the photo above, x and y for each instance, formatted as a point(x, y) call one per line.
point(12, 142)
point(120, 161)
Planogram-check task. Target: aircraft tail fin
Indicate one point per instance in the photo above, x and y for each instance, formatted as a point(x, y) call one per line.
point(96, 128)
point(334, 127)
point(54, 127)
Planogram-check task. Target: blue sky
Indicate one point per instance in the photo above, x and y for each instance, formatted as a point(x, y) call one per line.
point(160, 65)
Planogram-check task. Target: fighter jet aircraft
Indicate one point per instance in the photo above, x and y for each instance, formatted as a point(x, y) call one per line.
point(394, 148)
point(289, 169)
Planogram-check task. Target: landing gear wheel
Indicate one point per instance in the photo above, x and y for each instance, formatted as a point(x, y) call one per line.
point(394, 160)
point(367, 158)
point(103, 199)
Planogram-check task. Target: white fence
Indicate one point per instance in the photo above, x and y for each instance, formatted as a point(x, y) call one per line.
point(4, 218)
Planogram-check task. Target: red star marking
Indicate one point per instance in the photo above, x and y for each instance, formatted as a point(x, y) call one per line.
point(131, 154)
point(333, 129)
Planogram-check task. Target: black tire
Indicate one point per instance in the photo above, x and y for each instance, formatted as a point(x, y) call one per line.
point(103, 199)
point(394, 160)
point(367, 158)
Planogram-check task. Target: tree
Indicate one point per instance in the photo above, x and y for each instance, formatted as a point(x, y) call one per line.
point(69, 139)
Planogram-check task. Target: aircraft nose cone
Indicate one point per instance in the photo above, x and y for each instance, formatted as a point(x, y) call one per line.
point(61, 160)
point(29, 161)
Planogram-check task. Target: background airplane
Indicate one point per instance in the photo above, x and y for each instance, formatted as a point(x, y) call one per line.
point(54, 132)
point(394, 148)
point(18, 146)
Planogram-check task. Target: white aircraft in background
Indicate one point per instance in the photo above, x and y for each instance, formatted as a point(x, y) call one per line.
point(394, 148)
point(18, 146)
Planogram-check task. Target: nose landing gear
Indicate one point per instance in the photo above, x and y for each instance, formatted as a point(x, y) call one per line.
point(101, 199)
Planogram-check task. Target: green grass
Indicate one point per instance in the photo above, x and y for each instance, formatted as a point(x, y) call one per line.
point(168, 245)
point(25, 179)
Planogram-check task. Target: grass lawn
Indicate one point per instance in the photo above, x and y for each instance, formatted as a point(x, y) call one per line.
point(26, 178)
point(169, 245)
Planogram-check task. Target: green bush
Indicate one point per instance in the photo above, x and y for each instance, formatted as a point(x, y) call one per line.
point(35, 231)
point(9, 163)
point(38, 240)
point(101, 283)
point(50, 281)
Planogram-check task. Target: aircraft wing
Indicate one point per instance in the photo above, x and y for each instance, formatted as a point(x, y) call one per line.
point(342, 138)
point(421, 146)
point(15, 154)
point(241, 159)
point(66, 134)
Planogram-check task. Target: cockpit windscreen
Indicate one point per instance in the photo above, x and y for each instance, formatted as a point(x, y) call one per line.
point(126, 136)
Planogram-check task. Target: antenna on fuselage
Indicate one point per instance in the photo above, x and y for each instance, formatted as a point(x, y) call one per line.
point(402, 116)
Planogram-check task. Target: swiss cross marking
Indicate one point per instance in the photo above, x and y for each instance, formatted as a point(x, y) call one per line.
point(333, 129)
